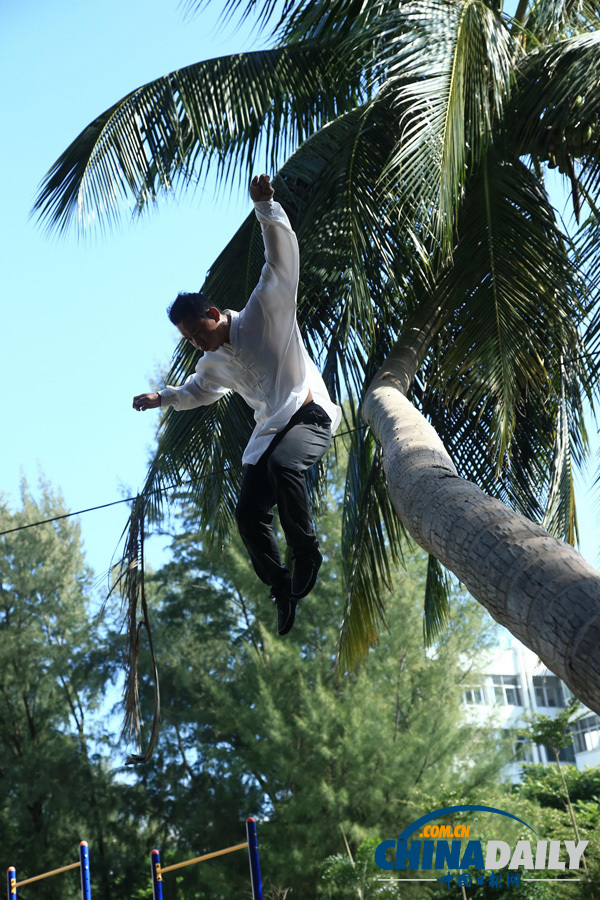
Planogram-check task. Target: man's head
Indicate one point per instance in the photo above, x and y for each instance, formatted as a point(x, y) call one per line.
point(199, 321)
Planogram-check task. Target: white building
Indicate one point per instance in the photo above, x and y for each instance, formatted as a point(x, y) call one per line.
point(516, 684)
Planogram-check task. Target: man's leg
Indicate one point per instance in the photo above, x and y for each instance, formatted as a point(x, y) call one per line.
point(254, 517)
point(301, 445)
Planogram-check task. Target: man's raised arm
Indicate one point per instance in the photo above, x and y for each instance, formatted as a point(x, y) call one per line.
point(279, 277)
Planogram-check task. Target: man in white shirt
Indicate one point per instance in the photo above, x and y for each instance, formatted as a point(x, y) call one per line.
point(259, 353)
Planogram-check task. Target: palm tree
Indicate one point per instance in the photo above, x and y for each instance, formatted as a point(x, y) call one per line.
point(449, 309)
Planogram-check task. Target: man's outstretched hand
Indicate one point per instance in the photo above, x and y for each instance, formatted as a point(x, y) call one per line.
point(260, 188)
point(146, 401)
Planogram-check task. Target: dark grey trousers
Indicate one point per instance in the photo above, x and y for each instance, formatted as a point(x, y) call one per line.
point(279, 478)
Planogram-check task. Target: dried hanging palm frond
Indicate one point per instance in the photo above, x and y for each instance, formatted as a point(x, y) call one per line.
point(130, 583)
point(437, 600)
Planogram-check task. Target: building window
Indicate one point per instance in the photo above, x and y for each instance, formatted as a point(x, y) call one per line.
point(522, 747)
point(586, 734)
point(548, 691)
point(474, 695)
point(507, 691)
point(565, 754)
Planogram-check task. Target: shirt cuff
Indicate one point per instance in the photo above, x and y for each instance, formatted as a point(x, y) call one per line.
point(166, 397)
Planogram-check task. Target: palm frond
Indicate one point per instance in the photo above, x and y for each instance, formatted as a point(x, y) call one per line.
point(342, 20)
point(548, 442)
point(516, 297)
point(299, 20)
point(198, 456)
point(263, 10)
point(587, 243)
point(494, 382)
point(169, 132)
point(551, 20)
point(448, 101)
point(560, 517)
point(130, 582)
point(436, 609)
point(371, 535)
point(556, 106)
point(353, 250)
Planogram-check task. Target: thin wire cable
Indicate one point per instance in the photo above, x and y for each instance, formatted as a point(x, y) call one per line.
point(169, 487)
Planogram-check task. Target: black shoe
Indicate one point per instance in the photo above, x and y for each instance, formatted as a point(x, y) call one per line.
point(286, 605)
point(306, 569)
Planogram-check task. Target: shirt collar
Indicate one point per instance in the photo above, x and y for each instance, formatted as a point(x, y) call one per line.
point(233, 327)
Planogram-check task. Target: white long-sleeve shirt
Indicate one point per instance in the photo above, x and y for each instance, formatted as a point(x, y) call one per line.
point(265, 359)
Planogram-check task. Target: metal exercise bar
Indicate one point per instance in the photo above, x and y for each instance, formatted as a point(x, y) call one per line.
point(252, 844)
point(198, 859)
point(48, 874)
point(83, 864)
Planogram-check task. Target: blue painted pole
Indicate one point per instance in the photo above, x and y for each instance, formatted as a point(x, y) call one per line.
point(156, 875)
point(84, 861)
point(253, 857)
point(12, 883)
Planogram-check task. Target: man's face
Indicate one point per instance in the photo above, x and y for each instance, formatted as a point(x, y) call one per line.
point(204, 334)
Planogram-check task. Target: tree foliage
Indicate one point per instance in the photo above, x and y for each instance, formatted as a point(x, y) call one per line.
point(58, 784)
point(52, 672)
point(253, 724)
point(411, 162)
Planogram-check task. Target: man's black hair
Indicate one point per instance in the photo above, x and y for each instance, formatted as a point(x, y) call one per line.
point(189, 306)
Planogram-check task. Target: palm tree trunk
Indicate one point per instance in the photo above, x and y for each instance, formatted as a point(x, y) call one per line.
point(538, 587)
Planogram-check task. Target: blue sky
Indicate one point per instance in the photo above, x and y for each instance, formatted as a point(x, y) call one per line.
point(84, 326)
point(83, 321)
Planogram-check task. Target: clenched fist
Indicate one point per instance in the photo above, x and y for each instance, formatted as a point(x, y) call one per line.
point(146, 401)
point(261, 188)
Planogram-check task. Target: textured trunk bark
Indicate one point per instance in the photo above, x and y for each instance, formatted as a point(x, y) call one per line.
point(538, 587)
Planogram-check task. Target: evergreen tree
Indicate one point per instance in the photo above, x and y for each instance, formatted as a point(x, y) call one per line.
point(539, 800)
point(566, 795)
point(256, 724)
point(56, 787)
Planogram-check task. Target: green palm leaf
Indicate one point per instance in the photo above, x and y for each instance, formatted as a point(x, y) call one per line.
point(550, 20)
point(517, 301)
point(263, 11)
point(170, 131)
point(556, 105)
point(587, 243)
point(560, 517)
point(536, 477)
point(494, 386)
point(436, 606)
point(447, 101)
point(299, 20)
point(370, 545)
